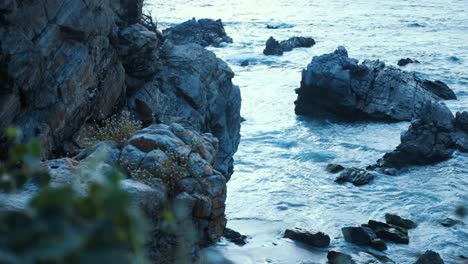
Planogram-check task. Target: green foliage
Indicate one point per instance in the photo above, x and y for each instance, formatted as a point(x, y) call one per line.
point(117, 128)
point(61, 226)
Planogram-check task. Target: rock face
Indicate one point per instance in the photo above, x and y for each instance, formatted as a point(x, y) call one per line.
point(313, 239)
point(273, 47)
point(204, 32)
point(338, 86)
point(168, 168)
point(430, 139)
point(430, 257)
point(194, 88)
point(58, 64)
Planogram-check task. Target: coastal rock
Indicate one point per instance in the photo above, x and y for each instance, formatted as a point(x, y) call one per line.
point(430, 257)
point(430, 139)
point(273, 47)
point(440, 89)
point(338, 86)
point(389, 232)
point(356, 176)
point(358, 235)
point(396, 220)
point(235, 237)
point(449, 222)
point(313, 239)
point(194, 88)
point(335, 257)
point(334, 168)
point(404, 62)
point(204, 32)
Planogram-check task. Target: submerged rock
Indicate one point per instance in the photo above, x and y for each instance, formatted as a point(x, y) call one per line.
point(334, 168)
point(449, 222)
point(430, 257)
point(399, 221)
point(313, 239)
point(355, 176)
point(404, 62)
point(335, 257)
point(204, 32)
point(273, 47)
point(338, 86)
point(235, 237)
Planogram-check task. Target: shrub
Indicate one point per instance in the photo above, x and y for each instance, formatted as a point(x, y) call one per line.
point(118, 128)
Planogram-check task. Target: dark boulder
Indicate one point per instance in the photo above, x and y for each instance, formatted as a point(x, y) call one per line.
point(204, 32)
point(338, 86)
point(235, 237)
point(245, 63)
point(296, 42)
point(440, 89)
point(356, 176)
point(273, 47)
point(313, 239)
point(430, 257)
point(334, 168)
point(399, 221)
point(389, 232)
point(363, 236)
point(404, 62)
point(335, 257)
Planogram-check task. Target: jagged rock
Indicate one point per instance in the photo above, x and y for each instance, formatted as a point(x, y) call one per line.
point(355, 176)
point(273, 47)
point(335, 257)
point(336, 85)
point(430, 257)
point(449, 222)
point(404, 62)
point(194, 88)
point(235, 237)
point(204, 32)
point(334, 168)
point(430, 139)
point(389, 232)
point(313, 239)
point(440, 89)
point(396, 220)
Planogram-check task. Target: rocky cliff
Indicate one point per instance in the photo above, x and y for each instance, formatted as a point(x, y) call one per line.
point(67, 63)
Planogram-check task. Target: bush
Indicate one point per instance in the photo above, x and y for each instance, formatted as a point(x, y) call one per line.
point(118, 128)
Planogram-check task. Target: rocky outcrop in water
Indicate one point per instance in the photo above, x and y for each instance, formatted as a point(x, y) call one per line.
point(430, 257)
point(404, 62)
point(318, 239)
point(273, 47)
point(356, 176)
point(338, 86)
point(204, 32)
point(430, 139)
point(169, 168)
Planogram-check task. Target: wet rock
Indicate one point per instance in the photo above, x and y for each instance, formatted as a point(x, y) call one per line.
point(313, 239)
point(389, 232)
point(204, 32)
point(430, 257)
point(245, 63)
point(356, 176)
point(379, 244)
point(380, 257)
point(404, 62)
point(273, 47)
point(335, 257)
point(362, 236)
point(338, 86)
point(399, 221)
point(279, 25)
point(449, 222)
point(235, 237)
point(334, 168)
point(296, 42)
point(440, 89)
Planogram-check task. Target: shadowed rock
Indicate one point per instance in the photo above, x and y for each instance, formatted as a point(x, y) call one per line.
point(313, 239)
point(404, 62)
point(430, 257)
point(440, 89)
point(335, 257)
point(273, 47)
point(235, 237)
point(338, 86)
point(363, 236)
point(204, 32)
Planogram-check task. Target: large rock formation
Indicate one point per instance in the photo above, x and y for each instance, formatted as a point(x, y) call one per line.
point(169, 169)
point(430, 139)
point(336, 85)
point(204, 32)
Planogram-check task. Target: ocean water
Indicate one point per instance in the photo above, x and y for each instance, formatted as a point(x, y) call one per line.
point(279, 180)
